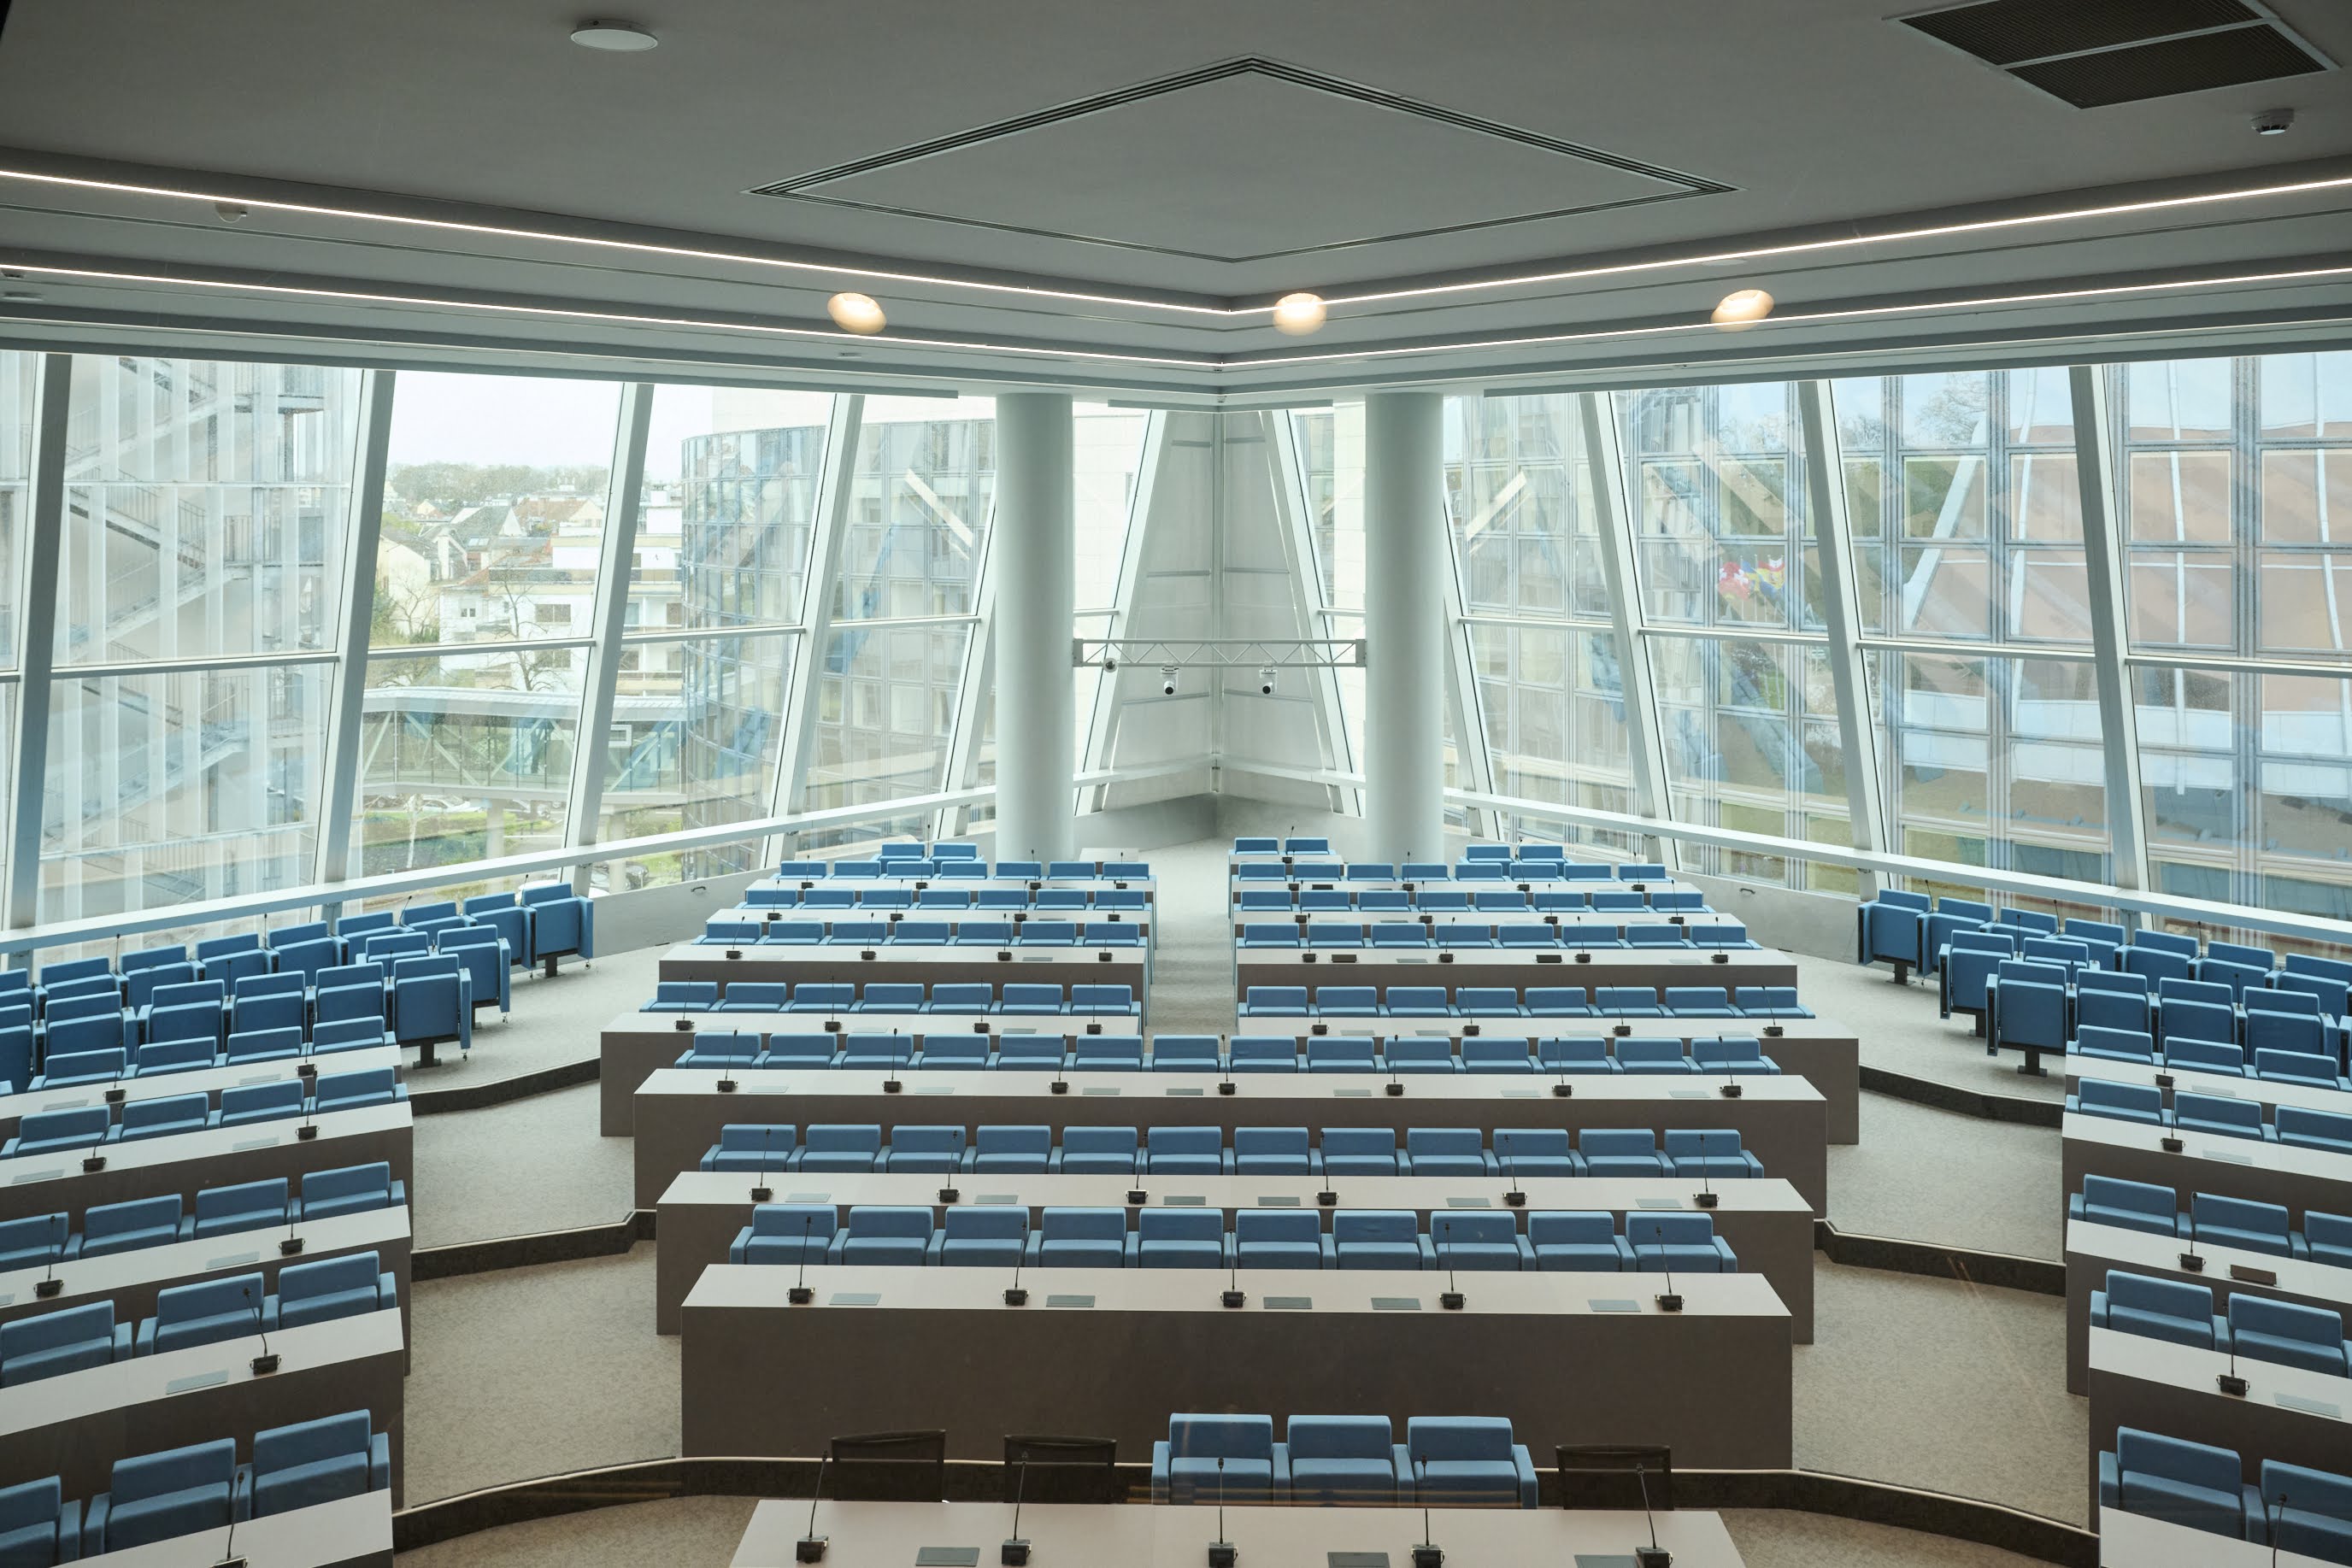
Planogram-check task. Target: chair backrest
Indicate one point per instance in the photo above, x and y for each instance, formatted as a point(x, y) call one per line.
point(2288, 1320)
point(868, 1219)
point(1187, 1140)
point(1471, 1227)
point(1358, 1142)
point(2172, 1298)
point(1530, 1143)
point(853, 1138)
point(1441, 1438)
point(1277, 1225)
point(137, 1214)
point(1568, 1227)
point(2216, 1109)
point(1215, 1437)
point(1263, 1142)
point(198, 1465)
point(328, 1276)
point(2175, 1458)
point(1077, 1224)
point(1616, 1142)
point(1373, 1225)
point(2237, 1213)
point(1098, 1141)
point(46, 1331)
point(347, 1181)
point(986, 1222)
point(2109, 1094)
point(998, 1139)
point(2135, 1196)
point(815, 1221)
point(1180, 1225)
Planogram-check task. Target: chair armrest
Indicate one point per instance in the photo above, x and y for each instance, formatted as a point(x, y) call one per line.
point(1281, 1469)
point(1131, 1253)
point(387, 1290)
point(93, 1524)
point(739, 1246)
point(1159, 1464)
point(1428, 1253)
point(122, 1351)
point(1401, 1457)
point(1526, 1469)
point(380, 1463)
point(931, 1248)
point(146, 1337)
point(833, 1248)
point(1331, 1253)
point(1035, 1250)
point(1730, 1259)
point(2111, 1488)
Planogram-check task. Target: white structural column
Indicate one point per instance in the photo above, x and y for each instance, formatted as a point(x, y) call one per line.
point(1613, 517)
point(36, 620)
point(1036, 574)
point(624, 492)
point(1405, 651)
point(2103, 568)
point(363, 519)
point(1842, 613)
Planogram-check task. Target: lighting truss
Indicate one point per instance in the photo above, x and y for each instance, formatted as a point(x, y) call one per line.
point(1220, 653)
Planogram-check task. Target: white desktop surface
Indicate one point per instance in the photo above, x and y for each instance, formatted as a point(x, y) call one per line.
point(2135, 1540)
point(350, 1533)
point(208, 1081)
point(182, 1262)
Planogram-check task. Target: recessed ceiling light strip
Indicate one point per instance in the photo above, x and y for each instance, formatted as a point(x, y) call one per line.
point(1034, 291)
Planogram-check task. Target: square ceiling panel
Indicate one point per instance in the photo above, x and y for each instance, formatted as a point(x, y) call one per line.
point(1244, 161)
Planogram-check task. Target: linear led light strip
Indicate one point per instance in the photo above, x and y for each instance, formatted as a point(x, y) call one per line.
point(1197, 362)
point(1519, 280)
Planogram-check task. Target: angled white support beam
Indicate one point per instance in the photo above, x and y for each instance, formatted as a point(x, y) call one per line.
point(1474, 756)
point(36, 627)
point(964, 727)
point(836, 480)
point(1036, 695)
point(2103, 564)
point(1613, 519)
point(1842, 612)
point(623, 490)
point(362, 523)
point(1102, 715)
point(1310, 595)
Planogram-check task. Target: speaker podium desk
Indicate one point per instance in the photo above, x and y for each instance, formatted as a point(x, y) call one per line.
point(1568, 1358)
point(1768, 1224)
point(2093, 1250)
point(350, 1533)
point(1515, 968)
point(1114, 1535)
point(679, 1111)
point(636, 1045)
point(207, 1081)
point(76, 1425)
point(1823, 1053)
point(185, 1163)
point(2298, 1178)
point(2286, 1413)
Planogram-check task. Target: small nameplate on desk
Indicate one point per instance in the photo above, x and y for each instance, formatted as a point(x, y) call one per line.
point(64, 1104)
point(1657, 1203)
point(1187, 1092)
point(1409, 960)
point(1098, 1092)
point(258, 1078)
point(1685, 1093)
point(1184, 1200)
point(934, 1089)
point(1033, 957)
point(238, 1148)
point(2218, 1092)
point(196, 1380)
point(1351, 1093)
point(2226, 1155)
point(947, 1557)
point(1289, 1303)
point(232, 1260)
point(856, 1298)
point(1355, 1560)
point(2308, 1407)
point(1433, 1034)
point(1396, 1303)
point(1611, 1304)
point(1603, 1560)
point(8, 1299)
point(51, 1172)
point(2253, 1276)
point(997, 1198)
point(1069, 1300)
point(808, 1197)
point(1521, 1095)
point(1468, 1203)
point(1278, 1201)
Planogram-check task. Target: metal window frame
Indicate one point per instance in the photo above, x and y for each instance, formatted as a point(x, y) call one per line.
point(836, 481)
point(2096, 474)
point(1604, 456)
point(38, 558)
point(1842, 613)
point(1103, 714)
point(364, 521)
point(625, 488)
point(1310, 596)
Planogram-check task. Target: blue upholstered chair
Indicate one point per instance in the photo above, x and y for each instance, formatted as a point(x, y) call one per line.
point(351, 1190)
point(331, 1288)
point(2178, 1482)
point(2289, 1334)
point(1280, 1239)
point(1565, 1241)
point(1347, 1461)
point(321, 1462)
point(1205, 1458)
point(2170, 1310)
point(1468, 1460)
point(228, 1307)
point(156, 1496)
point(50, 1344)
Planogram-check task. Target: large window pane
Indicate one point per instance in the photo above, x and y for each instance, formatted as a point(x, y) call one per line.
point(494, 508)
point(1107, 465)
point(1718, 488)
point(696, 729)
point(885, 701)
point(730, 502)
point(1748, 730)
point(465, 757)
point(1331, 463)
point(918, 513)
point(19, 385)
point(205, 508)
point(170, 788)
point(2304, 805)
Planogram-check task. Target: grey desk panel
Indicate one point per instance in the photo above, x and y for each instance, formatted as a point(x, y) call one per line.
point(1768, 1225)
point(2268, 1092)
point(904, 961)
point(679, 1111)
point(207, 1081)
point(1713, 1380)
point(2227, 1168)
point(891, 1534)
point(217, 1156)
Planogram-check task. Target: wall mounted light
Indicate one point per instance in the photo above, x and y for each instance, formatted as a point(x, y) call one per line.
point(613, 37)
point(1297, 315)
point(856, 313)
point(1742, 307)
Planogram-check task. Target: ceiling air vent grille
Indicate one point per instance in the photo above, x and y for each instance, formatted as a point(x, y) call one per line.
point(2092, 53)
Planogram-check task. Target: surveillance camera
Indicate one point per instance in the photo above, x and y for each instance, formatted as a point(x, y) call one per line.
point(1166, 680)
point(2273, 121)
point(1266, 681)
point(229, 212)
point(1110, 664)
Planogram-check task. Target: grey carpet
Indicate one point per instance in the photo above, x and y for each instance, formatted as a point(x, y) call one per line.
point(1937, 1176)
point(690, 1532)
point(514, 1169)
point(553, 1021)
point(1900, 1031)
point(1780, 1540)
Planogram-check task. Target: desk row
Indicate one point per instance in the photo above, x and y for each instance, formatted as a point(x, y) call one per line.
point(2310, 1070)
point(728, 930)
point(2289, 1333)
point(949, 860)
point(832, 997)
point(1193, 1150)
point(89, 1126)
point(45, 1239)
point(1015, 901)
point(1523, 869)
point(2292, 1508)
point(2214, 1114)
point(1537, 1001)
point(1587, 932)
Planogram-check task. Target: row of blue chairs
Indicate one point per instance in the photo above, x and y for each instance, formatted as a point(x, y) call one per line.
point(2271, 1065)
point(963, 867)
point(1535, 1002)
point(2213, 1115)
point(749, 1050)
point(1002, 1236)
point(159, 1059)
point(1525, 874)
point(207, 1311)
point(200, 1487)
point(2154, 956)
point(40, 1240)
point(1326, 934)
point(2293, 1508)
point(725, 932)
point(1011, 900)
point(1445, 1462)
point(2037, 1006)
point(2259, 1328)
point(972, 998)
point(2214, 1220)
point(87, 1126)
point(1016, 1150)
point(1428, 902)
point(1262, 844)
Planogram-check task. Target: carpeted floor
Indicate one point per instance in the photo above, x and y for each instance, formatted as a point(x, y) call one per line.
point(1776, 1540)
point(1901, 1032)
point(689, 1532)
point(553, 1021)
point(1934, 1175)
point(514, 1169)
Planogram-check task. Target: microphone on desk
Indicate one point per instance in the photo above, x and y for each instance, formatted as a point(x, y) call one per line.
point(266, 1362)
point(1560, 1087)
point(1225, 1083)
point(811, 1546)
point(49, 1284)
point(890, 1084)
point(2230, 1382)
point(228, 1557)
point(2190, 1261)
point(1426, 1554)
point(1396, 1085)
point(1668, 1301)
point(2271, 1522)
point(114, 1092)
point(1061, 1085)
point(93, 1162)
point(290, 1245)
point(800, 1295)
point(1652, 1555)
point(1705, 1196)
point(1232, 1296)
point(760, 1191)
point(1730, 1089)
point(1014, 1553)
point(1015, 1296)
point(1514, 1198)
point(1450, 1297)
point(1221, 1553)
point(309, 1129)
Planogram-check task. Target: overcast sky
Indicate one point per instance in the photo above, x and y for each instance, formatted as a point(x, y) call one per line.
point(443, 418)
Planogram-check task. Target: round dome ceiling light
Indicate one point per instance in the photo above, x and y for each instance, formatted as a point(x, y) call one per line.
point(1297, 315)
point(613, 37)
point(1742, 307)
point(856, 313)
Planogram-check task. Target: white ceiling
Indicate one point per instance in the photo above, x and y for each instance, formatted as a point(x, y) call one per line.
point(1385, 144)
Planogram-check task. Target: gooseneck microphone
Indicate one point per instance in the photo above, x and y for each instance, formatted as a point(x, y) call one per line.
point(1014, 1553)
point(2190, 1261)
point(266, 1362)
point(1668, 1300)
point(2230, 1382)
point(1015, 1296)
point(1451, 1299)
point(811, 1547)
point(1232, 1296)
point(1426, 1554)
point(1221, 1552)
point(1652, 1555)
point(760, 1191)
point(2272, 1519)
point(800, 1295)
point(228, 1557)
point(1514, 1198)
